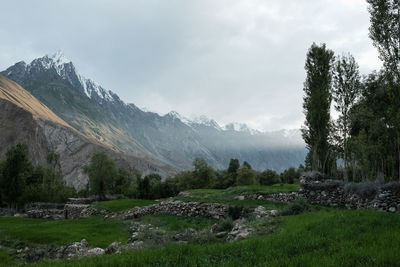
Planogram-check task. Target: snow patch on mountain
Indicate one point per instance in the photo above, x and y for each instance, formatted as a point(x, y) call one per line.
point(176, 115)
point(205, 121)
point(66, 69)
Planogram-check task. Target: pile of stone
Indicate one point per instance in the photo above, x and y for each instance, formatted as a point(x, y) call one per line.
point(74, 211)
point(261, 212)
point(280, 197)
point(239, 231)
point(316, 190)
point(6, 212)
point(83, 201)
point(181, 208)
point(45, 210)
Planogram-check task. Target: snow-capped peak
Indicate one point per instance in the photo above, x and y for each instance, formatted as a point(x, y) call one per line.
point(204, 120)
point(174, 114)
point(240, 127)
point(59, 58)
point(65, 69)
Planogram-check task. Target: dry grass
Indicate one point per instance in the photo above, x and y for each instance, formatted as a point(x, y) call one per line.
point(14, 93)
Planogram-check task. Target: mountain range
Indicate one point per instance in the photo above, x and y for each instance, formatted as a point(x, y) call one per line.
point(24, 119)
point(172, 139)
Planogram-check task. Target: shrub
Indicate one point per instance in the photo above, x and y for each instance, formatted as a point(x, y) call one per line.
point(246, 176)
point(392, 186)
point(298, 206)
point(235, 212)
point(268, 177)
point(225, 225)
point(365, 190)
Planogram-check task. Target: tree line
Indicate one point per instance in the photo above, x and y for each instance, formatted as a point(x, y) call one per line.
point(106, 178)
point(363, 143)
point(23, 182)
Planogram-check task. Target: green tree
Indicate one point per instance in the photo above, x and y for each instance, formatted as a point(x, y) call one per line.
point(385, 34)
point(245, 163)
point(102, 172)
point(203, 174)
point(268, 177)
point(122, 182)
point(15, 170)
point(317, 102)
point(290, 175)
point(144, 188)
point(246, 176)
point(346, 90)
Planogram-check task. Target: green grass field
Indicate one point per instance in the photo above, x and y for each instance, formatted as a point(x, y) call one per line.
point(96, 230)
point(321, 237)
point(328, 237)
point(175, 223)
point(122, 204)
point(227, 196)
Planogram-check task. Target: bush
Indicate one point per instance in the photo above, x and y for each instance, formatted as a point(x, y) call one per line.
point(392, 186)
point(268, 177)
point(298, 206)
point(236, 212)
point(246, 176)
point(225, 225)
point(365, 190)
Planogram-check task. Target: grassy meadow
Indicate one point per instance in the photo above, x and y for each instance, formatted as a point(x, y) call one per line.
point(319, 237)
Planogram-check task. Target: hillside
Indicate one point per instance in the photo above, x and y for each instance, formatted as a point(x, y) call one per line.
point(23, 119)
point(101, 114)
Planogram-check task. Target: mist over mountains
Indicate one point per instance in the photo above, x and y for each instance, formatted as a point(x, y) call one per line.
point(175, 140)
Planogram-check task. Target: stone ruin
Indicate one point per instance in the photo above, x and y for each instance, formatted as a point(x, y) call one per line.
point(371, 195)
point(74, 208)
point(180, 208)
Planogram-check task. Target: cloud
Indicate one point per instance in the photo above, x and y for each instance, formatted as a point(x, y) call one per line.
point(230, 60)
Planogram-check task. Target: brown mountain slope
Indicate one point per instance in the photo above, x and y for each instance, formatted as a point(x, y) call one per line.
point(23, 119)
point(14, 93)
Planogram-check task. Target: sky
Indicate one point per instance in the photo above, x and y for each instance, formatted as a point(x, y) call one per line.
point(230, 60)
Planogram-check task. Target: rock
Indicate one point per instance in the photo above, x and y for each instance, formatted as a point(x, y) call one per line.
point(239, 197)
point(94, 252)
point(137, 244)
point(214, 228)
point(239, 231)
point(84, 243)
point(184, 194)
point(392, 209)
point(221, 234)
point(134, 236)
point(260, 212)
point(75, 249)
point(113, 248)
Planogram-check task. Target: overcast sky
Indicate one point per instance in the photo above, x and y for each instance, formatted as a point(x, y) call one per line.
point(230, 60)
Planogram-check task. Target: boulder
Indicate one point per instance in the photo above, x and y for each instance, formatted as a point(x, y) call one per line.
point(113, 248)
point(94, 252)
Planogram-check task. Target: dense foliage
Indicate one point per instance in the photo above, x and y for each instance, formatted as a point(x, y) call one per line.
point(21, 182)
point(317, 102)
point(365, 139)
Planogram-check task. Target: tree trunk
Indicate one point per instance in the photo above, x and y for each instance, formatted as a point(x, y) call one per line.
point(398, 151)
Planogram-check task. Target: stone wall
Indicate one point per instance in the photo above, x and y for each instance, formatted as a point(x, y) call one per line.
point(180, 208)
point(45, 210)
point(316, 190)
point(74, 211)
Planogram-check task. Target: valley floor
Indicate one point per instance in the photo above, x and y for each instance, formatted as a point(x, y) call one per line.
point(319, 237)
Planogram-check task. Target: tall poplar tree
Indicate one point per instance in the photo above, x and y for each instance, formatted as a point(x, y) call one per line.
point(385, 34)
point(317, 102)
point(346, 90)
